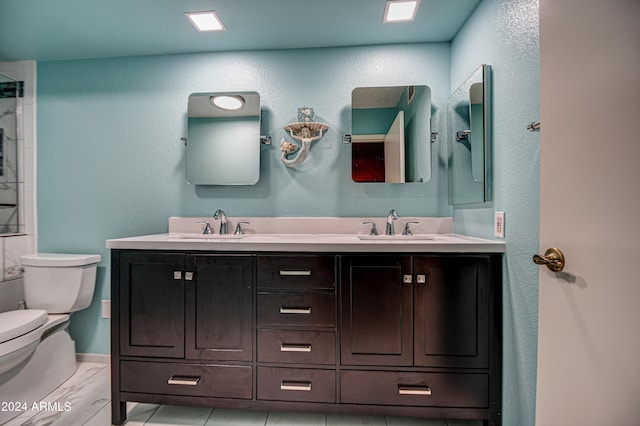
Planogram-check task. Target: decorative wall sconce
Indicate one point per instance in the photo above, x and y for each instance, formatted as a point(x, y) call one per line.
point(306, 131)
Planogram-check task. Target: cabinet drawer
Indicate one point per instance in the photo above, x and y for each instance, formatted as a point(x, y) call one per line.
point(303, 347)
point(417, 389)
point(297, 309)
point(296, 384)
point(296, 272)
point(223, 381)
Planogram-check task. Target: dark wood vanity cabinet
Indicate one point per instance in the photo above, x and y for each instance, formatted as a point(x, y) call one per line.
point(176, 305)
point(422, 331)
point(219, 300)
point(182, 327)
point(151, 304)
point(296, 328)
point(390, 334)
point(430, 311)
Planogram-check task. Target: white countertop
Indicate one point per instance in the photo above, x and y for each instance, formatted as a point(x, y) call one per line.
point(311, 234)
point(335, 243)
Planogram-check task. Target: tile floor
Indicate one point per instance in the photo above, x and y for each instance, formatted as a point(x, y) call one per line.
point(84, 400)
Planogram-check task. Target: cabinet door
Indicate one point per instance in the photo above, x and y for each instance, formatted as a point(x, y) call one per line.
point(152, 304)
point(220, 307)
point(452, 311)
point(377, 310)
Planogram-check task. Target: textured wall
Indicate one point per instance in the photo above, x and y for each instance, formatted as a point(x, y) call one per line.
point(110, 160)
point(111, 163)
point(504, 34)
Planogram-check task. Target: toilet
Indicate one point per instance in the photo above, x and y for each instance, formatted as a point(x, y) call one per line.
point(36, 351)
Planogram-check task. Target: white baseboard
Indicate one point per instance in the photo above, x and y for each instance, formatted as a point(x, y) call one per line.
point(101, 358)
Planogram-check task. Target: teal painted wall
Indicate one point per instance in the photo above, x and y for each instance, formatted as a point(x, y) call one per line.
point(111, 163)
point(505, 35)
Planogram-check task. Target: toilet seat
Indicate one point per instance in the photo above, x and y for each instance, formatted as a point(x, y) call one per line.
point(20, 333)
point(16, 323)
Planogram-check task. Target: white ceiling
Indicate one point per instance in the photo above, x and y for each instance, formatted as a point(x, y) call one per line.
point(46, 30)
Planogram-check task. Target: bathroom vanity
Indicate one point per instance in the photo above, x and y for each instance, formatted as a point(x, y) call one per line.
point(335, 323)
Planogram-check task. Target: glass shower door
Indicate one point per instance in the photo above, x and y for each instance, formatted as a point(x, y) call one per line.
point(10, 93)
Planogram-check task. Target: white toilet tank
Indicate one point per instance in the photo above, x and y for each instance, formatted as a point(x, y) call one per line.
point(59, 283)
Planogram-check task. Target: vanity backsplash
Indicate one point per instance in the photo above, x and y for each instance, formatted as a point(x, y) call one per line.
point(310, 225)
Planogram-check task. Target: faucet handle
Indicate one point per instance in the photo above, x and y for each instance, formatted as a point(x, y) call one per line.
point(207, 228)
point(407, 230)
point(374, 230)
point(239, 230)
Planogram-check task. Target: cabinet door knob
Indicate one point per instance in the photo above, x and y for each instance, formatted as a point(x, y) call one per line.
point(421, 279)
point(407, 279)
point(177, 275)
point(188, 276)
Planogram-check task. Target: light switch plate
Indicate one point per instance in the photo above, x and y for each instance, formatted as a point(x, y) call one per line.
point(499, 225)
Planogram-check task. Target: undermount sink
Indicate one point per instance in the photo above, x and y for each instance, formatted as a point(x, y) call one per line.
point(396, 237)
point(207, 237)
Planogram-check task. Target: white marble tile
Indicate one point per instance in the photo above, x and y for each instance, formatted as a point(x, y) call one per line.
point(138, 413)
point(87, 391)
point(348, 420)
point(296, 419)
point(14, 247)
point(414, 421)
point(170, 415)
point(101, 418)
point(230, 417)
point(11, 294)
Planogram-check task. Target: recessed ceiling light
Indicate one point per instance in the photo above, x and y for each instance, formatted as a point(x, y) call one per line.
point(227, 102)
point(205, 21)
point(400, 10)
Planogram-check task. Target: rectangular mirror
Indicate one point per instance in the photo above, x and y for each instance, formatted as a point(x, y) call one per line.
point(469, 139)
point(223, 139)
point(391, 134)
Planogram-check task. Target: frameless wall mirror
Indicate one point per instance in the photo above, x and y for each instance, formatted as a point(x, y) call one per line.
point(223, 140)
point(469, 139)
point(391, 134)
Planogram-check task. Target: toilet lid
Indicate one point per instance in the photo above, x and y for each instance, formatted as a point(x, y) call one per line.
point(17, 323)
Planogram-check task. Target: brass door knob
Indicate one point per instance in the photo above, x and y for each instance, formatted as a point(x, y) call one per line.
point(553, 259)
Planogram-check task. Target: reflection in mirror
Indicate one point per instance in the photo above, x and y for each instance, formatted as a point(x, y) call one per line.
point(391, 134)
point(469, 141)
point(10, 91)
point(223, 142)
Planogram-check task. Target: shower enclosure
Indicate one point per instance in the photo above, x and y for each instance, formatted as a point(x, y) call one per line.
point(10, 101)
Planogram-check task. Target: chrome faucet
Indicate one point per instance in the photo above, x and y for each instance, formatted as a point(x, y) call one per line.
point(219, 214)
point(391, 217)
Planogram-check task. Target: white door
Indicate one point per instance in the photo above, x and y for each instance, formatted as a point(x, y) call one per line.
point(394, 151)
point(589, 314)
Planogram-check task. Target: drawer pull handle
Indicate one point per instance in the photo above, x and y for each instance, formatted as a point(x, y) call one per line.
point(303, 311)
point(290, 347)
point(286, 273)
point(296, 386)
point(183, 380)
point(414, 390)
